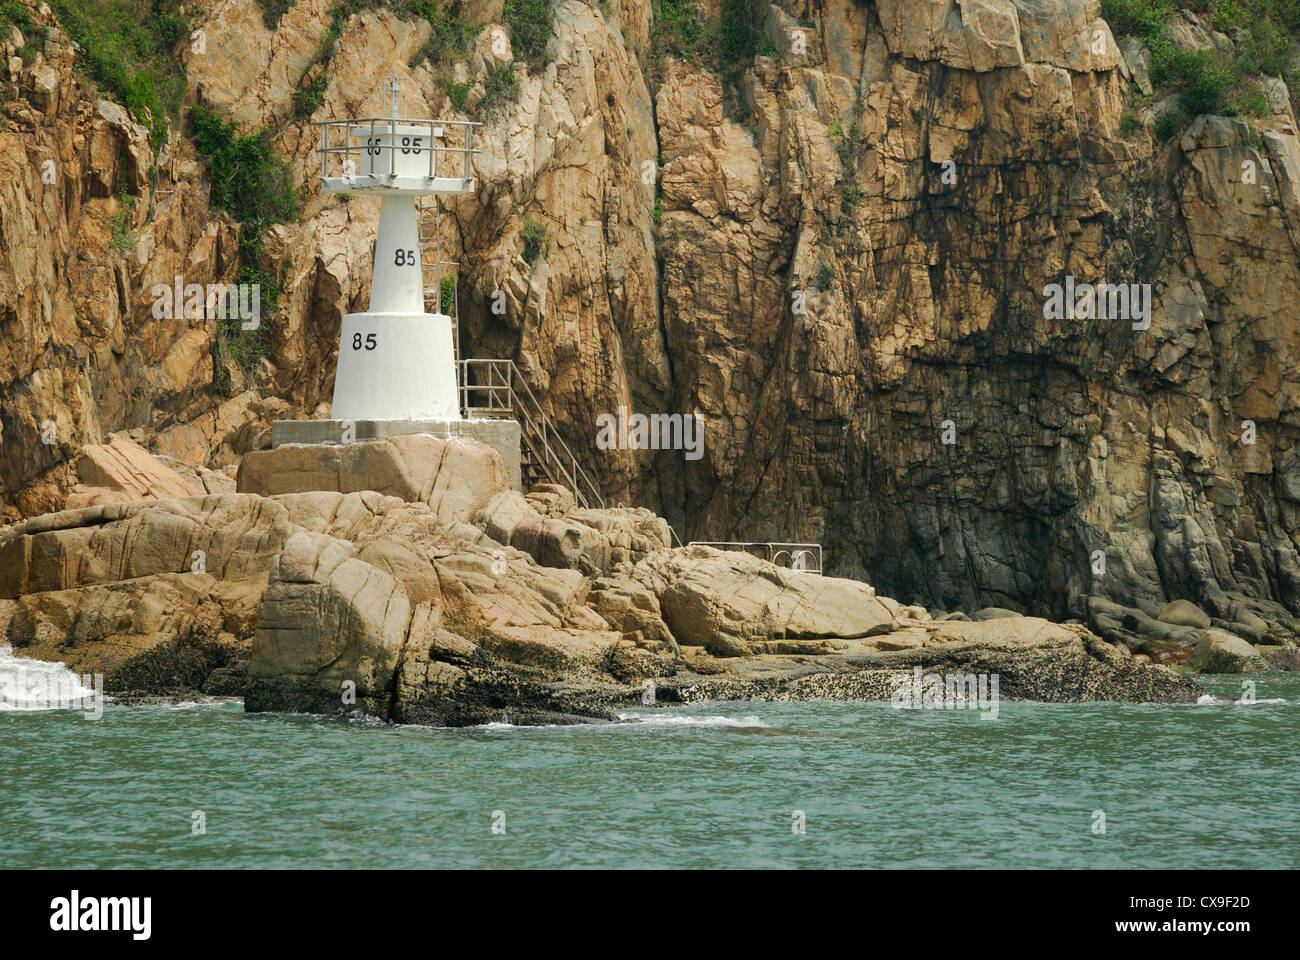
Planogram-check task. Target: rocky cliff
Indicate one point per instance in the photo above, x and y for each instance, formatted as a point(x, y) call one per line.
point(835, 247)
point(460, 601)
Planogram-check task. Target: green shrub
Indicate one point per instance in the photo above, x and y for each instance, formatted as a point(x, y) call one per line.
point(458, 94)
point(739, 29)
point(14, 14)
point(249, 177)
point(1267, 48)
point(128, 48)
point(851, 196)
point(536, 244)
point(1263, 32)
point(676, 30)
point(500, 86)
point(120, 225)
point(447, 295)
point(1138, 18)
point(449, 36)
point(255, 185)
point(825, 277)
point(1170, 124)
point(273, 10)
point(530, 23)
point(307, 99)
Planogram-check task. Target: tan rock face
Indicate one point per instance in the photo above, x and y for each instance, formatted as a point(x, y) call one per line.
point(912, 182)
point(123, 470)
point(455, 477)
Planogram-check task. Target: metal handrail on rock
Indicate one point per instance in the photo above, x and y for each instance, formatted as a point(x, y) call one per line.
point(802, 557)
point(505, 392)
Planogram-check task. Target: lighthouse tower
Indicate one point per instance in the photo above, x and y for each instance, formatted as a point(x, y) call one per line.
point(397, 362)
point(398, 369)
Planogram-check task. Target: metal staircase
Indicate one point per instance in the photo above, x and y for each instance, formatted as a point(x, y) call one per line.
point(496, 388)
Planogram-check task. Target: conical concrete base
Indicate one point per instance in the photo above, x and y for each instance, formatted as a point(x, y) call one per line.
point(396, 366)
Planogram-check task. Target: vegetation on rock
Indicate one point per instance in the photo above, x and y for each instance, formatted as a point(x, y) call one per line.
point(531, 23)
point(535, 243)
point(1221, 81)
point(725, 45)
point(252, 182)
point(129, 49)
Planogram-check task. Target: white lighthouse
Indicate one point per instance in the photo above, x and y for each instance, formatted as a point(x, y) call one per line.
point(397, 362)
point(398, 369)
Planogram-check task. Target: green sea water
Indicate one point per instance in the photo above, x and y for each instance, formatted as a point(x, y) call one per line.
point(711, 785)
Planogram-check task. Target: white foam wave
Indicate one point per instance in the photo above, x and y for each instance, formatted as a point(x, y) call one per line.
point(39, 685)
point(1209, 699)
point(666, 719)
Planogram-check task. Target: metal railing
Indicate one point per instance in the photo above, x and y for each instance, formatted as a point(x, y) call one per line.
point(496, 387)
point(388, 147)
point(801, 557)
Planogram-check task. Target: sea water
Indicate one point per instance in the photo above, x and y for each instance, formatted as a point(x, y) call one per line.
point(1213, 784)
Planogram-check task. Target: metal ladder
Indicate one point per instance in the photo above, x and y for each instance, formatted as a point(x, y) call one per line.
point(438, 276)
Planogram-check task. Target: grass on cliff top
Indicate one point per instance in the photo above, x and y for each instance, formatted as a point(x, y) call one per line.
point(530, 22)
point(128, 47)
point(725, 45)
point(1265, 35)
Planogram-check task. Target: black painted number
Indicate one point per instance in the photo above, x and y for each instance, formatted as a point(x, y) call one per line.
point(404, 258)
point(369, 342)
point(411, 144)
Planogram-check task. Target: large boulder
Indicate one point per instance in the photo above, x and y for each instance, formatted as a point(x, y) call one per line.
point(1223, 652)
point(1184, 613)
point(172, 581)
point(330, 629)
point(994, 613)
point(230, 536)
point(123, 470)
point(548, 527)
point(454, 476)
point(407, 620)
point(725, 600)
